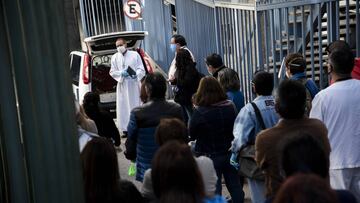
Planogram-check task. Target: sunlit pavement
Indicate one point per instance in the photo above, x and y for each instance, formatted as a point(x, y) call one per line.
point(124, 166)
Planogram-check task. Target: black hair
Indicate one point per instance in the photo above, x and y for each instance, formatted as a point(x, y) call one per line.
point(303, 153)
point(183, 59)
point(263, 82)
point(295, 62)
point(337, 45)
point(155, 85)
point(100, 170)
point(291, 99)
point(229, 79)
point(175, 174)
point(171, 129)
point(91, 104)
point(179, 39)
point(342, 61)
point(302, 188)
point(214, 60)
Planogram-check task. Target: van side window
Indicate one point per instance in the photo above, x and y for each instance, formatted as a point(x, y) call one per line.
point(75, 68)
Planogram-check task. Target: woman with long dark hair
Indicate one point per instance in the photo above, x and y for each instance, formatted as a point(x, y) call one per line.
point(176, 177)
point(186, 81)
point(211, 126)
point(102, 182)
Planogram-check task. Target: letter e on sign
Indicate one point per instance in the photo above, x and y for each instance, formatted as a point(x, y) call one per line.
point(132, 9)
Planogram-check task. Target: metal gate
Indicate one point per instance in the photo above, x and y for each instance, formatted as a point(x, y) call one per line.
point(260, 36)
point(101, 16)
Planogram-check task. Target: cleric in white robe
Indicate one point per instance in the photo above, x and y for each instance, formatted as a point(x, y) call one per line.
point(128, 70)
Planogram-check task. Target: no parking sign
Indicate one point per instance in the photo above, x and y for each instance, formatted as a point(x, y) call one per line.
point(132, 9)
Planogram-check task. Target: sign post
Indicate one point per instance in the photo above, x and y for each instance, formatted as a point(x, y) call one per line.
point(132, 9)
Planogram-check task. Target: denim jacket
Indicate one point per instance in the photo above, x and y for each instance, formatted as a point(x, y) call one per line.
point(246, 126)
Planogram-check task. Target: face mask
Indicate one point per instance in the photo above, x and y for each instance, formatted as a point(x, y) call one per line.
point(209, 71)
point(121, 49)
point(173, 47)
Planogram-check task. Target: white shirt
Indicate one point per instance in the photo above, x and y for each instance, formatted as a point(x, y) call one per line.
point(338, 106)
point(84, 137)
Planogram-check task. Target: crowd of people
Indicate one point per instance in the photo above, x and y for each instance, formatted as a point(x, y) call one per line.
point(292, 143)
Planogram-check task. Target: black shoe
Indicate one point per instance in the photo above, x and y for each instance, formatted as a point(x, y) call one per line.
point(124, 134)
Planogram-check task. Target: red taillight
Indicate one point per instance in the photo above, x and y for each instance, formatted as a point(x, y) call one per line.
point(148, 66)
point(85, 72)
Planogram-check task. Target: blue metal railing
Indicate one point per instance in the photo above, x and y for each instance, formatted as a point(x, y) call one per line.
point(282, 27)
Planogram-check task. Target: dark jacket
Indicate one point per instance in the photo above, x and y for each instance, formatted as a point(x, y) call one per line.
point(105, 125)
point(237, 97)
point(128, 193)
point(216, 73)
point(268, 142)
point(212, 128)
point(144, 119)
point(187, 82)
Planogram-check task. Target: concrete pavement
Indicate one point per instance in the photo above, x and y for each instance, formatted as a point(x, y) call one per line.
point(124, 166)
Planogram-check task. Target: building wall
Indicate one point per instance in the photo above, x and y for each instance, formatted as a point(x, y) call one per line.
point(156, 20)
point(196, 22)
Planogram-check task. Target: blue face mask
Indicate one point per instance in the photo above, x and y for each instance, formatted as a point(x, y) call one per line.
point(173, 47)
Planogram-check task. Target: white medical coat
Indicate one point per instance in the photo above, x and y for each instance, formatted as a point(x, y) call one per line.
point(127, 89)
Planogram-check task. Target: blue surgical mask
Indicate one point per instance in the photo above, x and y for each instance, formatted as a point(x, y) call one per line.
point(173, 47)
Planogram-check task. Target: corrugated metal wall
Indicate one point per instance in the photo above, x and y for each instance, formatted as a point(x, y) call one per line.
point(196, 22)
point(157, 21)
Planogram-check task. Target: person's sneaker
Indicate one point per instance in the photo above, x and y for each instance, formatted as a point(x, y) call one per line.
point(124, 134)
point(228, 199)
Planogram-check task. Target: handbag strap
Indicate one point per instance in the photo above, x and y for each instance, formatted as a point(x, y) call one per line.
point(258, 116)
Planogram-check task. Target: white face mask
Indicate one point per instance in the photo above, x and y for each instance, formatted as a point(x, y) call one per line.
point(121, 49)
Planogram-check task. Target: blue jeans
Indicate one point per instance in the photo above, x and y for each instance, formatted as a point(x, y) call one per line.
point(232, 181)
point(187, 113)
point(257, 190)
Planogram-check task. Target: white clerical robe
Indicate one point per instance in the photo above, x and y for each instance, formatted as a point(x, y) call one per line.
point(128, 89)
